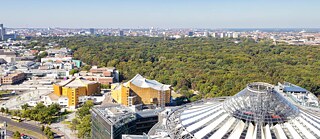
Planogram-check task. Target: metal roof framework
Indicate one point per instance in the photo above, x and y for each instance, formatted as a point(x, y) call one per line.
point(257, 112)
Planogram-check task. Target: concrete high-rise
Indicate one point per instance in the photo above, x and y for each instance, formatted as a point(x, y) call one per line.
point(121, 33)
point(92, 31)
point(2, 32)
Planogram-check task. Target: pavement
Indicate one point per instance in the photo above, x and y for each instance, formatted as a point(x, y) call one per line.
point(10, 134)
point(21, 125)
point(63, 128)
point(16, 102)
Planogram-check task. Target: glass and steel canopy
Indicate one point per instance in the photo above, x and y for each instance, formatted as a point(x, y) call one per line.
point(259, 103)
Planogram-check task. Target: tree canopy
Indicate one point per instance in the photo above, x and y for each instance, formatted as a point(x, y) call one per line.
point(214, 67)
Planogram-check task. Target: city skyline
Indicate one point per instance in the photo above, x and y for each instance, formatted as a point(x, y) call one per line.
point(161, 14)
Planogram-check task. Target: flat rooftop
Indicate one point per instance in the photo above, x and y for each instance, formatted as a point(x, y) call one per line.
point(114, 113)
point(288, 87)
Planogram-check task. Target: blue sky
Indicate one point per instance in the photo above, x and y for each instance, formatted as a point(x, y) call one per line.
point(161, 13)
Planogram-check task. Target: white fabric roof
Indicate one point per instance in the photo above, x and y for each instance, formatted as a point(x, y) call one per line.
point(210, 119)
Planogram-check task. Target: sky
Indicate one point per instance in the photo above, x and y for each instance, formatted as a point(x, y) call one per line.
point(160, 13)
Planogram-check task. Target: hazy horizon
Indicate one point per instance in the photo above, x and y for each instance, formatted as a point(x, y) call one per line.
point(211, 14)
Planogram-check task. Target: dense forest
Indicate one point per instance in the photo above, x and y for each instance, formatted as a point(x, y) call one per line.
point(214, 67)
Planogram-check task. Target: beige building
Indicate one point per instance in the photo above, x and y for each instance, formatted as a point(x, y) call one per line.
point(103, 75)
point(13, 78)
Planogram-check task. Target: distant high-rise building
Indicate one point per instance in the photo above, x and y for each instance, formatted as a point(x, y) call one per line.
point(92, 31)
point(230, 35)
point(206, 34)
point(2, 32)
point(9, 36)
point(235, 35)
point(222, 35)
point(121, 33)
point(215, 35)
point(190, 34)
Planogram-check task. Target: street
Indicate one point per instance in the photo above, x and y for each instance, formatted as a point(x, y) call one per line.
point(21, 125)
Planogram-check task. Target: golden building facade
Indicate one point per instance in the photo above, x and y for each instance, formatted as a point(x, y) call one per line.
point(74, 88)
point(140, 90)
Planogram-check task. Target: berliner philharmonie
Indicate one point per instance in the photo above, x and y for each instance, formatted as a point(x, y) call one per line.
point(259, 111)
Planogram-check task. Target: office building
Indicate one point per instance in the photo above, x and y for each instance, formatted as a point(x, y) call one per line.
point(77, 63)
point(4, 36)
point(11, 36)
point(114, 120)
point(13, 78)
point(230, 35)
point(92, 31)
point(222, 35)
point(140, 90)
point(121, 33)
point(190, 33)
point(256, 112)
point(298, 94)
point(206, 34)
point(236, 35)
point(8, 56)
point(215, 35)
point(104, 75)
point(73, 88)
point(2, 32)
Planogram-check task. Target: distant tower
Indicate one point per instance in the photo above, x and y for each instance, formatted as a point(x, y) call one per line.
point(215, 35)
point(235, 35)
point(190, 34)
point(121, 33)
point(2, 31)
point(230, 35)
point(206, 34)
point(92, 31)
point(222, 35)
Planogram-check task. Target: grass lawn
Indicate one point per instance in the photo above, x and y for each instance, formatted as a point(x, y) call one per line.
point(26, 132)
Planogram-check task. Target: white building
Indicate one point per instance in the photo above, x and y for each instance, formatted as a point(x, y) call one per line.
point(8, 56)
point(63, 100)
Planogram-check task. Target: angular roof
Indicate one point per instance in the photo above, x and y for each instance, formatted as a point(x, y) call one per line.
point(2, 61)
point(142, 82)
point(75, 82)
point(53, 96)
